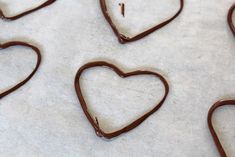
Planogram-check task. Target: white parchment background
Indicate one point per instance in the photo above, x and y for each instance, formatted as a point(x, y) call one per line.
point(196, 54)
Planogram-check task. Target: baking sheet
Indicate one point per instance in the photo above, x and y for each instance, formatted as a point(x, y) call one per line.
point(195, 53)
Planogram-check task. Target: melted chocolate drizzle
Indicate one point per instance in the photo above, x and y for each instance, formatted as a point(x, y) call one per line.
point(124, 39)
point(35, 49)
point(47, 3)
point(230, 19)
point(134, 124)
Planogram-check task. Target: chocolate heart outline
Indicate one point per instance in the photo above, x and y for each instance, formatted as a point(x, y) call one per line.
point(99, 132)
point(230, 18)
point(21, 83)
point(47, 3)
point(124, 39)
point(210, 124)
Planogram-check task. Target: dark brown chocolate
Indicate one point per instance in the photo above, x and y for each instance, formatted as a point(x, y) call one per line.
point(230, 19)
point(35, 49)
point(94, 121)
point(210, 124)
point(124, 39)
point(122, 5)
point(47, 3)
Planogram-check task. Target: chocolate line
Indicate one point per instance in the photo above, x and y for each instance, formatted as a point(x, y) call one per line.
point(122, 5)
point(124, 39)
point(210, 124)
point(94, 121)
point(47, 3)
point(230, 19)
point(35, 49)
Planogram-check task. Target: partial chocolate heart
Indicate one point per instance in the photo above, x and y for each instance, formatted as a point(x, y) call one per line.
point(35, 49)
point(212, 130)
point(124, 39)
point(134, 124)
point(47, 3)
point(230, 19)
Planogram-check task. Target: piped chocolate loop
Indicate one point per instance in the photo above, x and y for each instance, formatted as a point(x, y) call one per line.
point(23, 44)
point(12, 18)
point(230, 19)
point(122, 38)
point(134, 124)
point(222, 102)
point(210, 124)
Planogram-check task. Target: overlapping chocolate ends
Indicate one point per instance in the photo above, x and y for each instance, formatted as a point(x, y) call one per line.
point(94, 121)
point(230, 19)
point(36, 50)
point(124, 39)
point(47, 3)
point(210, 124)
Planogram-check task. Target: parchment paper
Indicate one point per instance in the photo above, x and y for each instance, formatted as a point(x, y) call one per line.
point(196, 54)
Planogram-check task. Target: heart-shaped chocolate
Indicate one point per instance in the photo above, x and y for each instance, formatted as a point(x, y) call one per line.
point(134, 124)
point(124, 39)
point(49, 2)
point(212, 130)
point(230, 19)
point(35, 49)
